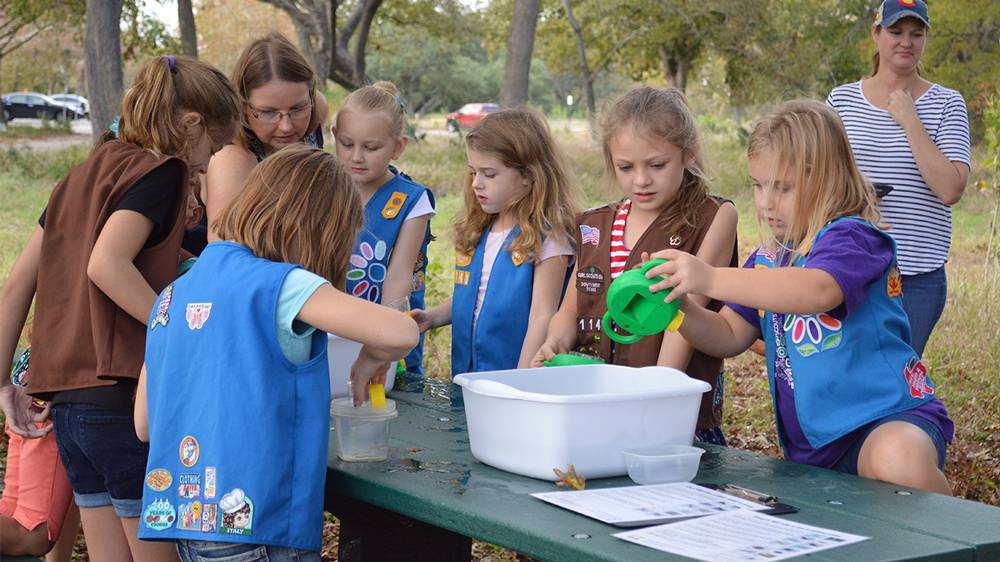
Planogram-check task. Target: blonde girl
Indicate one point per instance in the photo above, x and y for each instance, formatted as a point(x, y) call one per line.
point(107, 242)
point(513, 244)
point(254, 324)
point(389, 261)
point(824, 292)
point(652, 151)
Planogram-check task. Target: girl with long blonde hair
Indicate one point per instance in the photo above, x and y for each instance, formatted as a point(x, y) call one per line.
point(236, 348)
point(513, 244)
point(824, 292)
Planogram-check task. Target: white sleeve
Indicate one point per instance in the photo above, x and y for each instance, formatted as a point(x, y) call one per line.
point(422, 208)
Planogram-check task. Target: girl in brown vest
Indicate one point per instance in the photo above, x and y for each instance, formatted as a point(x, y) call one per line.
point(651, 149)
point(107, 243)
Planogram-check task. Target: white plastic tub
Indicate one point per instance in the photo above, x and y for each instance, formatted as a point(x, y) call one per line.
point(341, 354)
point(530, 421)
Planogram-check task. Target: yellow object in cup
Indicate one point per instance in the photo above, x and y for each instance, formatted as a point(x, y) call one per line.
point(376, 393)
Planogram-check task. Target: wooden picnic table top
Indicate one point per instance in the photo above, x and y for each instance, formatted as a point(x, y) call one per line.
point(431, 476)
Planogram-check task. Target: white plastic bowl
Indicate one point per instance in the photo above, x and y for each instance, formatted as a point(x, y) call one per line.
point(660, 464)
point(341, 354)
point(530, 421)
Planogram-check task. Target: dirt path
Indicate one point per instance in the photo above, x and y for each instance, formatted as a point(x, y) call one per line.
point(45, 144)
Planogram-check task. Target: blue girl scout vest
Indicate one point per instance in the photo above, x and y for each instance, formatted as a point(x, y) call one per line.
point(384, 216)
point(852, 372)
point(238, 434)
point(495, 343)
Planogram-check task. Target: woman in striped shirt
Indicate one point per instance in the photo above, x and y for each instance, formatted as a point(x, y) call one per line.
point(913, 135)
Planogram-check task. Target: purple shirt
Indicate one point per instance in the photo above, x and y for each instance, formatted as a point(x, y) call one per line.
point(855, 256)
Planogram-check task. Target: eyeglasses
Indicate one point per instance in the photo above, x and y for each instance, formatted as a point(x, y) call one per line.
point(272, 117)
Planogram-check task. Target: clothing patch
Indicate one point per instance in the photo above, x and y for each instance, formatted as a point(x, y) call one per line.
point(189, 516)
point(894, 286)
point(395, 203)
point(368, 270)
point(159, 515)
point(590, 280)
point(209, 482)
point(462, 277)
point(462, 260)
point(590, 235)
point(162, 317)
point(517, 258)
point(189, 451)
point(813, 327)
point(237, 513)
point(159, 479)
point(197, 314)
point(675, 240)
point(189, 486)
point(915, 374)
point(209, 517)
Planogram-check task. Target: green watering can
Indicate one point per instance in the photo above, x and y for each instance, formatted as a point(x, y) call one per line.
point(635, 310)
point(572, 359)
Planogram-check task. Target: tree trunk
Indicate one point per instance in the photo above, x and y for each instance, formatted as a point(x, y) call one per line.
point(104, 62)
point(588, 78)
point(189, 35)
point(675, 67)
point(520, 44)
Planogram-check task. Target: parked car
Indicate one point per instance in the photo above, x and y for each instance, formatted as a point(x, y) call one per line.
point(79, 104)
point(31, 105)
point(469, 115)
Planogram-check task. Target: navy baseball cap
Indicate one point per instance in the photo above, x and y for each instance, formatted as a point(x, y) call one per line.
point(892, 11)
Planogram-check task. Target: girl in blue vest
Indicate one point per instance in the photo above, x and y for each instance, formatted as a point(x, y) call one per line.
point(513, 245)
point(389, 261)
point(824, 292)
point(234, 395)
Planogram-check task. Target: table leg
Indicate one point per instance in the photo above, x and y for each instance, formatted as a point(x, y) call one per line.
point(373, 534)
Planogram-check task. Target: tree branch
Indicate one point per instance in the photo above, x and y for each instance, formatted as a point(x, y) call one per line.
point(359, 47)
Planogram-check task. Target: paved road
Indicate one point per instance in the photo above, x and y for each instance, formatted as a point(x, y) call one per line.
point(80, 128)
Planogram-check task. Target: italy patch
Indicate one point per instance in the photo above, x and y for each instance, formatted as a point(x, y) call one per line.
point(197, 314)
point(393, 206)
point(237, 513)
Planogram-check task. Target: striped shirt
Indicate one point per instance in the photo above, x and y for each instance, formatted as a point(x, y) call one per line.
point(920, 222)
point(619, 253)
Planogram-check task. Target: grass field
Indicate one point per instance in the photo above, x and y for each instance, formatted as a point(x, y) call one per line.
point(963, 353)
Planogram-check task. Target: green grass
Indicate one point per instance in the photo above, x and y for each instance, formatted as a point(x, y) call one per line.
point(47, 129)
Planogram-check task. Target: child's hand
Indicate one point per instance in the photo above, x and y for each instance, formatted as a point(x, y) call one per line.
point(549, 349)
point(366, 369)
point(422, 318)
point(683, 273)
point(21, 417)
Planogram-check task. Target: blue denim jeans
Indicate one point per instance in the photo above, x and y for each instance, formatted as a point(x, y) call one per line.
point(208, 551)
point(924, 296)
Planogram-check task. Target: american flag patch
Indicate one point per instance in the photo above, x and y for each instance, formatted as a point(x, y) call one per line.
point(590, 235)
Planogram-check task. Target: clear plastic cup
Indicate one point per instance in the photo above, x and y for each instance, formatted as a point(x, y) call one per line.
point(363, 431)
point(659, 464)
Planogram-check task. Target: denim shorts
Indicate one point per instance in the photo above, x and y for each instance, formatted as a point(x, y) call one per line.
point(849, 462)
point(104, 460)
point(208, 551)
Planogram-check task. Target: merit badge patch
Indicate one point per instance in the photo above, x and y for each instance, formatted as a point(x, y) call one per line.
point(395, 203)
point(189, 516)
point(813, 333)
point(162, 317)
point(159, 515)
point(189, 486)
point(189, 451)
point(159, 479)
point(894, 286)
point(590, 235)
point(237, 513)
point(209, 482)
point(590, 280)
point(675, 240)
point(461, 277)
point(197, 314)
point(915, 374)
point(517, 258)
point(21, 369)
point(209, 518)
point(462, 260)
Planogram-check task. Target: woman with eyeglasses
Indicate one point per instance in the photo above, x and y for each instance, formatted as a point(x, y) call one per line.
point(281, 106)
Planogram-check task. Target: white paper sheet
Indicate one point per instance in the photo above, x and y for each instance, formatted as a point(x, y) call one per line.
point(739, 536)
point(637, 505)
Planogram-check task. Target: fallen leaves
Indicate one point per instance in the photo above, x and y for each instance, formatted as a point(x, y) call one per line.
point(570, 479)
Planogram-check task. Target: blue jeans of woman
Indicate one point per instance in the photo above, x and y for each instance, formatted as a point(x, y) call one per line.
point(924, 296)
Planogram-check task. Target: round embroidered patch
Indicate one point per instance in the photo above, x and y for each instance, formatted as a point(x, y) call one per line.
point(159, 479)
point(189, 451)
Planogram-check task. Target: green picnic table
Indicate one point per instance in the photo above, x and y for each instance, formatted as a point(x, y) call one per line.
point(431, 495)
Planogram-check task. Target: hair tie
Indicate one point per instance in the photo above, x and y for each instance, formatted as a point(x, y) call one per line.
point(402, 104)
point(171, 62)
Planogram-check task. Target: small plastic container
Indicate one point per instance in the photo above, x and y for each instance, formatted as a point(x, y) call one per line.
point(362, 432)
point(660, 464)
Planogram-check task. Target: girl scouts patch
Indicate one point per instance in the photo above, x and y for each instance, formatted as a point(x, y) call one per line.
point(367, 271)
point(517, 258)
point(189, 451)
point(915, 374)
point(462, 260)
point(189, 516)
point(159, 479)
point(162, 317)
point(894, 287)
point(813, 328)
point(189, 486)
point(675, 240)
point(197, 314)
point(391, 209)
point(159, 515)
point(237, 513)
point(461, 277)
point(209, 482)
point(209, 517)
